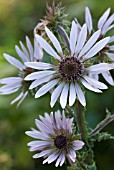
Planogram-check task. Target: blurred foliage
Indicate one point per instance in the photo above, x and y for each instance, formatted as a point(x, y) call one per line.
point(17, 19)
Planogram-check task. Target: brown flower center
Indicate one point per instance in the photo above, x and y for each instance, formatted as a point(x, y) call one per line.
point(60, 141)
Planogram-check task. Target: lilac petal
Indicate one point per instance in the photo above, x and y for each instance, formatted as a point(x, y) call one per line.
point(64, 95)
point(39, 74)
point(111, 39)
point(62, 158)
point(80, 94)
point(110, 55)
point(108, 22)
point(21, 54)
point(77, 144)
point(38, 143)
point(17, 98)
point(30, 48)
point(38, 147)
point(38, 53)
point(56, 93)
point(72, 155)
point(111, 47)
point(10, 87)
point(47, 47)
point(109, 28)
point(90, 86)
point(37, 135)
point(95, 82)
point(81, 39)
point(72, 95)
point(10, 80)
point(14, 62)
point(9, 92)
point(39, 65)
point(40, 81)
point(103, 18)
point(96, 48)
point(99, 68)
point(73, 37)
point(88, 19)
point(46, 88)
point(24, 96)
point(58, 119)
point(107, 76)
point(51, 158)
point(54, 41)
point(90, 43)
point(25, 51)
point(43, 153)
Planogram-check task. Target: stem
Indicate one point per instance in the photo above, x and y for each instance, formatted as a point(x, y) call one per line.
point(102, 125)
point(81, 122)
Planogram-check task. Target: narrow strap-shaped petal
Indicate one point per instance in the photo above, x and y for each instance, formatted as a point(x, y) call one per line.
point(14, 62)
point(30, 48)
point(51, 158)
point(103, 18)
point(77, 144)
point(39, 65)
point(81, 39)
point(10, 80)
point(72, 94)
point(17, 98)
point(90, 43)
point(54, 41)
point(110, 55)
point(56, 93)
point(96, 48)
point(88, 19)
point(108, 22)
point(107, 76)
point(73, 37)
point(80, 94)
point(24, 96)
point(106, 30)
point(47, 47)
point(38, 52)
point(24, 50)
point(44, 89)
point(64, 95)
point(21, 54)
point(43, 153)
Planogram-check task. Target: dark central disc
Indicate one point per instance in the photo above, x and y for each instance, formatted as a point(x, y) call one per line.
point(70, 68)
point(60, 141)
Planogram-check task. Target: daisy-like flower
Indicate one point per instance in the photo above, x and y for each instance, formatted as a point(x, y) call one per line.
point(105, 23)
point(71, 70)
point(54, 139)
point(14, 84)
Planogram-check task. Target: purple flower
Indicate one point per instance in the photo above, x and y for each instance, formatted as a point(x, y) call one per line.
point(54, 139)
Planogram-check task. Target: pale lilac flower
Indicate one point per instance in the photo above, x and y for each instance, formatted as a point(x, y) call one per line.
point(54, 139)
point(105, 24)
point(69, 70)
point(14, 84)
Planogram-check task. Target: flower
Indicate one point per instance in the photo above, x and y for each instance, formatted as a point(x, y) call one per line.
point(70, 70)
point(105, 23)
point(54, 138)
point(14, 84)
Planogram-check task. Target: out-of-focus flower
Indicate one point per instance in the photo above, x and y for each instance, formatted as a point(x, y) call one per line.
point(105, 23)
point(70, 70)
point(14, 84)
point(54, 139)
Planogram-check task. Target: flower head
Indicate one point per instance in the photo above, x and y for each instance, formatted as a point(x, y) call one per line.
point(54, 138)
point(70, 70)
point(105, 24)
point(14, 84)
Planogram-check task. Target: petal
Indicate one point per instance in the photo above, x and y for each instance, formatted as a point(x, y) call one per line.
point(90, 86)
point(103, 18)
point(95, 82)
point(88, 19)
point(14, 62)
point(77, 145)
point(90, 43)
point(40, 81)
point(24, 96)
point(47, 47)
point(110, 55)
point(21, 54)
point(17, 98)
point(73, 37)
point(10, 80)
point(72, 95)
point(108, 23)
point(39, 65)
point(51, 158)
point(38, 52)
point(99, 68)
point(80, 95)
point(56, 93)
point(64, 95)
point(81, 39)
point(37, 135)
point(39, 74)
point(72, 155)
point(96, 48)
point(38, 143)
point(46, 88)
point(43, 153)
point(30, 48)
point(107, 76)
point(54, 41)
point(25, 51)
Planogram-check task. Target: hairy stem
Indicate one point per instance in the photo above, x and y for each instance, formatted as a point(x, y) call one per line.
point(102, 125)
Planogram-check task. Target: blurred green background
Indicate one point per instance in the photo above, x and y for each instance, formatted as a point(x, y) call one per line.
point(17, 19)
